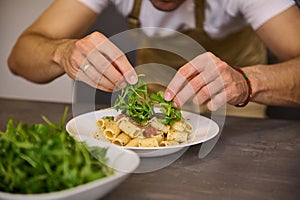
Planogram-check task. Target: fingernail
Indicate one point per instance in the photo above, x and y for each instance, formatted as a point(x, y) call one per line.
point(133, 79)
point(175, 105)
point(168, 96)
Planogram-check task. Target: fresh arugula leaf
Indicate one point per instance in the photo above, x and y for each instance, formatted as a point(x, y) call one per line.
point(134, 102)
point(43, 158)
point(169, 114)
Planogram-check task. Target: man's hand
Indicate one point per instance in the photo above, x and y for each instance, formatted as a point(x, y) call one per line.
point(207, 78)
point(96, 61)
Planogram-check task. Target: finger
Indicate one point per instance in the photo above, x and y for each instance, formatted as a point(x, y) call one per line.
point(76, 62)
point(197, 83)
point(103, 66)
point(99, 61)
point(179, 81)
point(81, 76)
point(115, 55)
point(104, 82)
point(208, 91)
point(119, 60)
point(96, 77)
point(190, 89)
point(217, 101)
point(187, 72)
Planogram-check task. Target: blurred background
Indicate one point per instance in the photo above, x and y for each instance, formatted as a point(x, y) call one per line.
point(15, 16)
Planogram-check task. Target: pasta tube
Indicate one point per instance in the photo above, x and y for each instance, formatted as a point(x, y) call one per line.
point(121, 140)
point(177, 136)
point(102, 123)
point(159, 126)
point(112, 130)
point(188, 128)
point(179, 126)
point(148, 142)
point(129, 128)
point(158, 137)
point(133, 143)
point(99, 135)
point(168, 143)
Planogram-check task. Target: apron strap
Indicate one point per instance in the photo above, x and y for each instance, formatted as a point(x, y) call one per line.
point(133, 18)
point(199, 13)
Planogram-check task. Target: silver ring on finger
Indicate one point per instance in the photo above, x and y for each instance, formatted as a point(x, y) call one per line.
point(85, 67)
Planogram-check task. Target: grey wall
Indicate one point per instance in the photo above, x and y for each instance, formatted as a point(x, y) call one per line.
point(15, 16)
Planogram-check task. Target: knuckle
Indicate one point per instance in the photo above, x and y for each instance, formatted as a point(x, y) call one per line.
point(83, 46)
point(213, 59)
point(116, 78)
point(231, 94)
point(209, 54)
point(79, 43)
point(204, 92)
point(221, 66)
point(96, 34)
point(103, 66)
point(95, 77)
point(197, 83)
point(228, 79)
point(97, 38)
point(184, 71)
point(210, 57)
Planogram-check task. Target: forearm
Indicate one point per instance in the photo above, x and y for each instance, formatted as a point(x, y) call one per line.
point(277, 84)
point(33, 58)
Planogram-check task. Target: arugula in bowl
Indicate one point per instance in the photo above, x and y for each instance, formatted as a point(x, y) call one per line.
point(42, 158)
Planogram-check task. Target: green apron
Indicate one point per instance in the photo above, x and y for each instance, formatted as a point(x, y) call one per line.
point(242, 48)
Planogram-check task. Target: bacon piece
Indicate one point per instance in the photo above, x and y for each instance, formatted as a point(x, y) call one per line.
point(150, 131)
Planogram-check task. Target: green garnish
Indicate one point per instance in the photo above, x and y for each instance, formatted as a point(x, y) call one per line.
point(42, 158)
point(109, 117)
point(134, 102)
point(170, 114)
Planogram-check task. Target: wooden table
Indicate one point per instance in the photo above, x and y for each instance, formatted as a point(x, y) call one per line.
point(253, 159)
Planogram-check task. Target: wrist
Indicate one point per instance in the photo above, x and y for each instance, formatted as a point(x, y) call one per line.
point(63, 47)
point(257, 82)
point(249, 87)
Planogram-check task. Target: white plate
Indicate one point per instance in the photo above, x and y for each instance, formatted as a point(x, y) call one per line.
point(204, 129)
point(124, 162)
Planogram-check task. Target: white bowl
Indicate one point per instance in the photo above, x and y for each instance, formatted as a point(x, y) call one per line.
point(123, 161)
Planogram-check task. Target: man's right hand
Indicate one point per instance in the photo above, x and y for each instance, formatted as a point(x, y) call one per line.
point(96, 61)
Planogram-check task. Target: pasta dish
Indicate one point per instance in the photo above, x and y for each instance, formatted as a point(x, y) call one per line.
point(139, 124)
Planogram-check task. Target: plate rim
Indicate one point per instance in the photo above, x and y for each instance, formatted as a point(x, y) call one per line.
point(111, 109)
